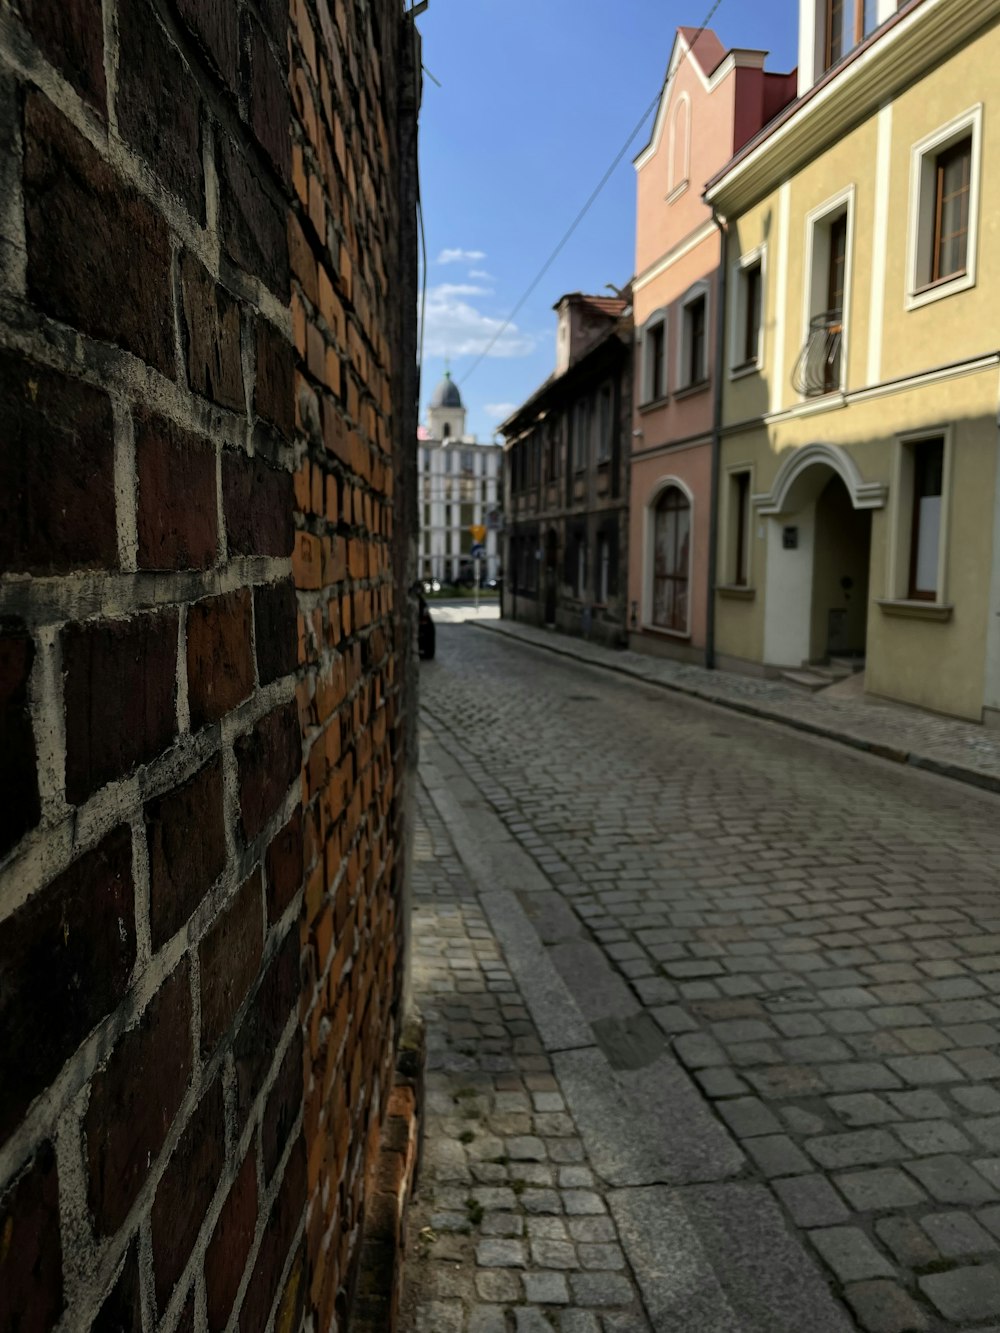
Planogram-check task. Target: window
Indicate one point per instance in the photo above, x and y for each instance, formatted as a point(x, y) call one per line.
point(654, 370)
point(821, 363)
point(446, 431)
point(740, 484)
point(944, 205)
point(750, 322)
point(953, 171)
point(536, 458)
point(581, 435)
point(468, 462)
point(848, 22)
point(836, 269)
point(671, 559)
point(552, 451)
point(605, 424)
point(581, 567)
point(925, 526)
point(693, 364)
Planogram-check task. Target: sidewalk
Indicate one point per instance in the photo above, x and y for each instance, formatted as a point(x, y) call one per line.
point(959, 750)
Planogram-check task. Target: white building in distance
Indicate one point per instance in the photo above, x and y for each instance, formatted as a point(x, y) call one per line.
point(459, 488)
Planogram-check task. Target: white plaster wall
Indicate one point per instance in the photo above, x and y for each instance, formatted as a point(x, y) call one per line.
point(788, 595)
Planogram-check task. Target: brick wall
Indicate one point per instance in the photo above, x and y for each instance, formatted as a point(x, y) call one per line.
point(206, 712)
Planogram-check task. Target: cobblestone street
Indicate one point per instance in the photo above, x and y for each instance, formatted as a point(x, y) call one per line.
point(712, 1016)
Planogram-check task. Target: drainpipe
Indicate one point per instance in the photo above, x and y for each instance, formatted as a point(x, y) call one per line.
point(713, 513)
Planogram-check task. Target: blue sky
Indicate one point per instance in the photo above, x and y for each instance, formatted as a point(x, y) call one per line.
point(537, 97)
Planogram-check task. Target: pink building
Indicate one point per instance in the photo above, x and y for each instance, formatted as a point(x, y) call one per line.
point(713, 101)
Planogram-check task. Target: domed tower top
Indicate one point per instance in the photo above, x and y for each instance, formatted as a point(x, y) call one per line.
point(446, 394)
point(446, 416)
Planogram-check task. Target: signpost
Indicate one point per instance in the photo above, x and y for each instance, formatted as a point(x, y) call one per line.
point(478, 533)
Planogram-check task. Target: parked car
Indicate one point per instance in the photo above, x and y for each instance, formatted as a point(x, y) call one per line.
point(431, 585)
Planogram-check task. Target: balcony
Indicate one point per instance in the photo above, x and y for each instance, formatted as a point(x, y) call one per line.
point(817, 371)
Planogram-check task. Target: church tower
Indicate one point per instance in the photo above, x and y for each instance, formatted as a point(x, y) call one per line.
point(446, 415)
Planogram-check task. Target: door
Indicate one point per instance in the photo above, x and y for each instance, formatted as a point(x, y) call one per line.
point(551, 572)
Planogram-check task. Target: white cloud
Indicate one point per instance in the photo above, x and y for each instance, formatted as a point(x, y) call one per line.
point(446, 290)
point(454, 327)
point(499, 411)
point(480, 275)
point(460, 256)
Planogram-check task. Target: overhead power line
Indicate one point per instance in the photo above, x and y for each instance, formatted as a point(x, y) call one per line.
point(583, 211)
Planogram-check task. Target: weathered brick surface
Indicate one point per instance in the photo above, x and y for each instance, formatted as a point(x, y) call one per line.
point(120, 692)
point(20, 809)
point(177, 510)
point(57, 497)
point(207, 383)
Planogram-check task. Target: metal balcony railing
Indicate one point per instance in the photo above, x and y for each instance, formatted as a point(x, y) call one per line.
point(817, 371)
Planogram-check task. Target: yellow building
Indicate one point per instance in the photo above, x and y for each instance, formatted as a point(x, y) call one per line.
point(859, 493)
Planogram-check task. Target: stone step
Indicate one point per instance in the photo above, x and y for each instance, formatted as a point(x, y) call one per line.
point(810, 680)
point(847, 665)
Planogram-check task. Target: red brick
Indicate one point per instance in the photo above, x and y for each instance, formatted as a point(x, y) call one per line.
point(31, 1286)
point(282, 1224)
point(265, 1021)
point(134, 1100)
point(74, 203)
point(219, 656)
point(122, 1311)
point(215, 25)
point(259, 502)
point(71, 36)
point(211, 326)
point(270, 108)
point(230, 1244)
point(120, 686)
point(177, 510)
point(230, 956)
point(274, 391)
point(20, 808)
point(269, 759)
point(186, 837)
point(284, 868)
point(186, 1191)
point(159, 109)
point(253, 225)
point(65, 958)
point(57, 496)
point(275, 612)
point(284, 1102)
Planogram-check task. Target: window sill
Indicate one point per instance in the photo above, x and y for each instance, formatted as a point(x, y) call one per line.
point(742, 371)
point(682, 634)
point(937, 291)
point(689, 390)
point(677, 191)
point(654, 403)
point(908, 609)
point(736, 592)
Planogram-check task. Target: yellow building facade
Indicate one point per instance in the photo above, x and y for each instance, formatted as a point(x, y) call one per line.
point(858, 486)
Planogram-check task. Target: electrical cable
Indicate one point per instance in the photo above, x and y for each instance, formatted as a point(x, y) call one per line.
point(585, 209)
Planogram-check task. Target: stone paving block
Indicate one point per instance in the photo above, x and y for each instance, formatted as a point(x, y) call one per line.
point(777, 1155)
point(859, 1076)
point(578, 1321)
point(485, 1320)
point(979, 1100)
point(926, 1137)
point(811, 1200)
point(578, 1203)
point(441, 1317)
point(862, 1108)
point(922, 1105)
point(584, 1229)
point(500, 1253)
point(879, 1190)
point(951, 1180)
point(921, 1069)
point(957, 1235)
point(553, 1254)
point(541, 1201)
point(747, 1116)
point(885, 1307)
point(907, 1242)
point(600, 1289)
point(859, 1148)
point(601, 1256)
point(964, 1293)
point(546, 1288)
point(529, 1320)
point(850, 1253)
point(498, 1284)
point(502, 1224)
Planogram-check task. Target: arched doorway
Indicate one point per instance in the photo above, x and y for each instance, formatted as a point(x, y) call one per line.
point(818, 557)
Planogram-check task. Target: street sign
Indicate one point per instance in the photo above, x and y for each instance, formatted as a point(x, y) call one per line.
point(478, 532)
point(478, 551)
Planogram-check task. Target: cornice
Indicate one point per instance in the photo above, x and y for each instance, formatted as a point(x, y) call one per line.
point(909, 46)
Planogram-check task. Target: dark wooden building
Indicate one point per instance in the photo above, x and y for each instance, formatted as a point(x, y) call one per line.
point(565, 479)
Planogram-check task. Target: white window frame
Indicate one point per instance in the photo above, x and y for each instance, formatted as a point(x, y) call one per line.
point(920, 221)
point(702, 288)
point(898, 571)
point(649, 554)
point(738, 307)
point(817, 248)
point(658, 317)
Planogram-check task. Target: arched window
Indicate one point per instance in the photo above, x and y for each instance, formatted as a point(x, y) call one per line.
point(446, 431)
point(671, 559)
point(680, 144)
